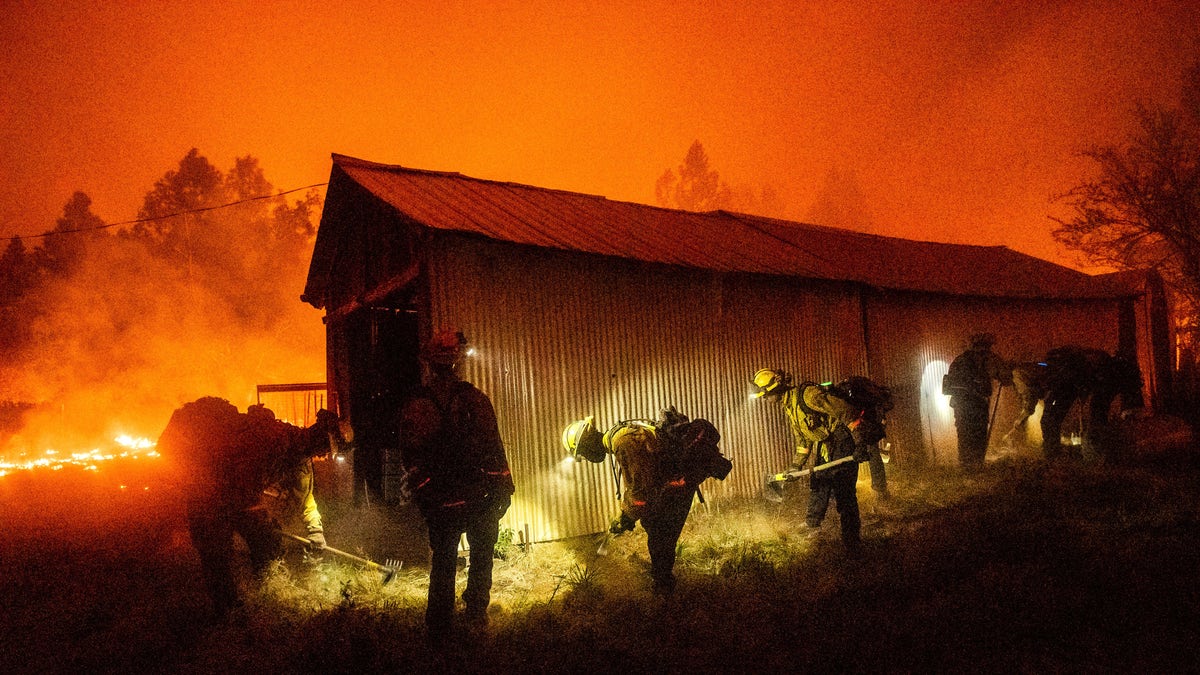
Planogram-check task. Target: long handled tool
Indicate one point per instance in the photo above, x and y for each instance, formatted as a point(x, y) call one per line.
point(389, 570)
point(992, 419)
point(602, 549)
point(773, 485)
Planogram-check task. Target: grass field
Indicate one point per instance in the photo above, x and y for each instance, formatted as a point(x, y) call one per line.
point(1029, 567)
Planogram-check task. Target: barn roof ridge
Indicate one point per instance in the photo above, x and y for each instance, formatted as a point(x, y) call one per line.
point(717, 240)
point(347, 160)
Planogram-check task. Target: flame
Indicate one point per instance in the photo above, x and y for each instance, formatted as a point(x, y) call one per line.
point(125, 447)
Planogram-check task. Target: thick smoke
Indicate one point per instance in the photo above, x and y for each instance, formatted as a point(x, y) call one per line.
point(117, 344)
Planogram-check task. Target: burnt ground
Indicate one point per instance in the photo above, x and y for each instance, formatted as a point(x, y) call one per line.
point(1027, 567)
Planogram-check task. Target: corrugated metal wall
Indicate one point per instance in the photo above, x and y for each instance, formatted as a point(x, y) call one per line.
point(913, 338)
point(561, 335)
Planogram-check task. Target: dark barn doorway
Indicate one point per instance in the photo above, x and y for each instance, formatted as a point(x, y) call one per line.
point(383, 345)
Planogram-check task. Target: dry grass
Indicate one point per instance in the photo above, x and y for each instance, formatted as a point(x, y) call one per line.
point(1028, 567)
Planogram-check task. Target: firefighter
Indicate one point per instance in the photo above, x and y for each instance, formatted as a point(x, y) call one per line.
point(292, 493)
point(1029, 385)
point(968, 383)
point(1093, 376)
point(233, 462)
point(874, 400)
point(828, 428)
point(458, 476)
point(663, 463)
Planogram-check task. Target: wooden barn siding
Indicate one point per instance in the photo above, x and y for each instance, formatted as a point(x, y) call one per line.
point(912, 338)
point(562, 335)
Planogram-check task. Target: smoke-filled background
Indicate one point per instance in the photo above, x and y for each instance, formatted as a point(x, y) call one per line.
point(952, 121)
point(947, 121)
point(106, 330)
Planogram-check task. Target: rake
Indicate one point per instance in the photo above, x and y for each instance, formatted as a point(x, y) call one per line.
point(388, 570)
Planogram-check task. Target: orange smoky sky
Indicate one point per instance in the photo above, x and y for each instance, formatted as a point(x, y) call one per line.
point(957, 120)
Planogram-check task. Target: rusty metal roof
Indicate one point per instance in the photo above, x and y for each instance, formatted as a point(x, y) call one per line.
point(719, 240)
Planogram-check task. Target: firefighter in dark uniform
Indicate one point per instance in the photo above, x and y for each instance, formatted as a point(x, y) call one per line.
point(968, 382)
point(457, 474)
point(1080, 374)
point(240, 468)
point(825, 427)
point(662, 464)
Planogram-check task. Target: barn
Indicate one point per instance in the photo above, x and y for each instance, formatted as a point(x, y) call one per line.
point(575, 304)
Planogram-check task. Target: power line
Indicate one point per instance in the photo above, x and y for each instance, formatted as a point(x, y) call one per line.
point(169, 215)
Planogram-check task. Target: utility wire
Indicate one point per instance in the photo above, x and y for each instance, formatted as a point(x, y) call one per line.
point(169, 215)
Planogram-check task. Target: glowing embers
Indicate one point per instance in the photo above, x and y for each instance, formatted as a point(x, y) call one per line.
point(126, 447)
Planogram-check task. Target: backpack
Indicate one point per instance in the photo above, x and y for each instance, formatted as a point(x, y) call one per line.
point(693, 444)
point(871, 399)
point(866, 394)
point(442, 472)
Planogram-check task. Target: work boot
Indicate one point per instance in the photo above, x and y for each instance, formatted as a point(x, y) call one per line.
point(475, 617)
point(664, 586)
point(808, 532)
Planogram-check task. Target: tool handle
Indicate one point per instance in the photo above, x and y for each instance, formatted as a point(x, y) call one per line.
point(788, 476)
point(369, 563)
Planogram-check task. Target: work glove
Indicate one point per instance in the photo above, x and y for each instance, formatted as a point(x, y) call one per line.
point(862, 453)
point(316, 540)
point(622, 524)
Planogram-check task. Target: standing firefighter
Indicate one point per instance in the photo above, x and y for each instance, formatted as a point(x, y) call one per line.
point(663, 462)
point(458, 476)
point(968, 383)
point(830, 428)
point(244, 472)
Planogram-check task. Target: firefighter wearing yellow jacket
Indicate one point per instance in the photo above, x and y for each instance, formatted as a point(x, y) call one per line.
point(457, 474)
point(663, 463)
point(291, 495)
point(825, 428)
point(245, 473)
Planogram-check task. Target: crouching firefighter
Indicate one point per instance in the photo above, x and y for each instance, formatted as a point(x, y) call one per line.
point(457, 475)
point(828, 428)
point(247, 474)
point(663, 462)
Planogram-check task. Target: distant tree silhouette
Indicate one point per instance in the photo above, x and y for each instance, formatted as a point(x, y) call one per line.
point(841, 203)
point(694, 186)
point(183, 238)
point(63, 247)
point(251, 253)
point(1143, 208)
point(16, 272)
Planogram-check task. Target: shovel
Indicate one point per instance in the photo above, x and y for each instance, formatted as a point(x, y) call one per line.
point(773, 482)
point(389, 570)
point(602, 549)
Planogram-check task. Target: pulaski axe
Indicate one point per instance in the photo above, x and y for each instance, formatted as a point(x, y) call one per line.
point(389, 570)
point(773, 484)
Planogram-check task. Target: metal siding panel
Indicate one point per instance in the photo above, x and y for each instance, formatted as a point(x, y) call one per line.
point(563, 335)
point(913, 339)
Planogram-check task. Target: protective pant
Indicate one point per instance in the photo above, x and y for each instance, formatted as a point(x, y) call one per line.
point(212, 528)
point(878, 472)
point(971, 423)
point(663, 527)
point(1098, 436)
point(482, 529)
point(840, 485)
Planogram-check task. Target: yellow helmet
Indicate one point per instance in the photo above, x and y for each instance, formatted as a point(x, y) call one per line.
point(581, 439)
point(770, 381)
